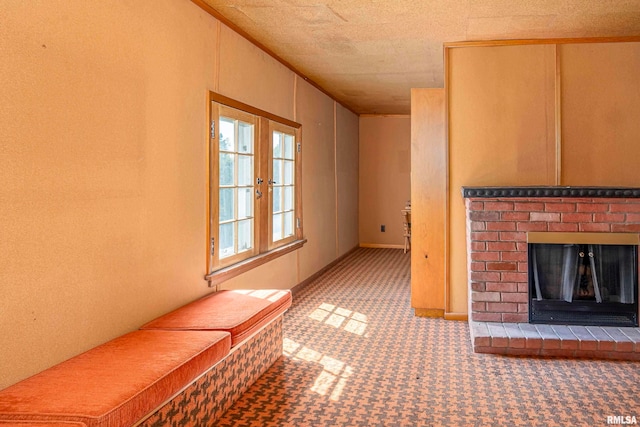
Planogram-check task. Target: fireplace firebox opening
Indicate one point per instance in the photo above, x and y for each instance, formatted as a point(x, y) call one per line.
point(582, 281)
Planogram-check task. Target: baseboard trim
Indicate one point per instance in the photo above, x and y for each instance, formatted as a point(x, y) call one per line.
point(428, 312)
point(300, 286)
point(456, 316)
point(380, 246)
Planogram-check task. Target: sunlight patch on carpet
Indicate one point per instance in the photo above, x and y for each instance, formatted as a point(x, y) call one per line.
point(335, 373)
point(338, 317)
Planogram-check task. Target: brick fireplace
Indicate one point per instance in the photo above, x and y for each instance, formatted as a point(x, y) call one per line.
point(499, 222)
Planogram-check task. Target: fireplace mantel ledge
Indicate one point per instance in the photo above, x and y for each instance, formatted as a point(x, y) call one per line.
point(550, 191)
point(524, 339)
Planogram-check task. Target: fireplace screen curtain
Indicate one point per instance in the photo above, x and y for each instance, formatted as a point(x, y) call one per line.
point(600, 273)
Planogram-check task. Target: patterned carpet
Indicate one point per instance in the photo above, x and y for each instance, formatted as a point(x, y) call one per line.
point(355, 355)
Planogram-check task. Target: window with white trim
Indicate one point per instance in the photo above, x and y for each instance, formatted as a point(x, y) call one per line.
point(236, 174)
point(255, 210)
point(282, 183)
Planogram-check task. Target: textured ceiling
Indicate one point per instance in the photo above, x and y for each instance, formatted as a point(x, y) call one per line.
point(368, 54)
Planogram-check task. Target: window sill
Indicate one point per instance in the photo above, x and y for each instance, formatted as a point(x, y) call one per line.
point(216, 277)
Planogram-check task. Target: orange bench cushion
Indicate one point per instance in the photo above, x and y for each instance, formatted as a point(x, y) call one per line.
point(117, 383)
point(40, 424)
point(239, 312)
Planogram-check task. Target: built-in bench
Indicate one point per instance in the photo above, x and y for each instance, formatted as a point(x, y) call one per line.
point(40, 424)
point(186, 368)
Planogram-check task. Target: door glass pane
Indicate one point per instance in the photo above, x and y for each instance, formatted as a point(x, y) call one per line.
point(245, 137)
point(288, 198)
point(277, 144)
point(226, 168)
point(226, 240)
point(277, 172)
point(245, 202)
point(236, 167)
point(288, 172)
point(277, 227)
point(245, 235)
point(288, 224)
point(245, 170)
point(277, 199)
point(227, 134)
point(288, 147)
point(226, 204)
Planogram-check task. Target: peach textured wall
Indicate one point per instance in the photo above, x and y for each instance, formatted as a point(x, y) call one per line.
point(315, 112)
point(385, 178)
point(104, 183)
point(347, 183)
point(244, 69)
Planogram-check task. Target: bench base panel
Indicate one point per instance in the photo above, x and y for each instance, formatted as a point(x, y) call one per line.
point(209, 396)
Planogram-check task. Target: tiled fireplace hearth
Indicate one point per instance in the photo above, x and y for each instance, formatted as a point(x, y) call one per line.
point(501, 221)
